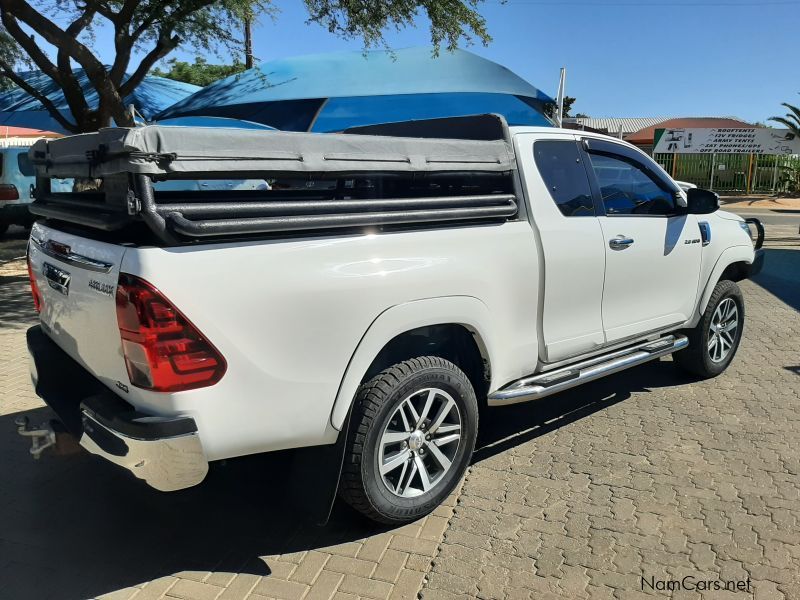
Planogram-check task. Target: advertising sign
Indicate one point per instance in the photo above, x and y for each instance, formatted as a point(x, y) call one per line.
point(757, 140)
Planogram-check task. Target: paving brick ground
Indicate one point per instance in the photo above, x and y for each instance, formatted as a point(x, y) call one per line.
point(646, 474)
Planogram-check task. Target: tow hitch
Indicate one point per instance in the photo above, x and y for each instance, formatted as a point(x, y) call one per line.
point(41, 439)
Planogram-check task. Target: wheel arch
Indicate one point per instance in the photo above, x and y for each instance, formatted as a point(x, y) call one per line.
point(412, 328)
point(731, 264)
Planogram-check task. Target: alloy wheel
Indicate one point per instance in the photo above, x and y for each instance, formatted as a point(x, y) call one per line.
point(722, 330)
point(419, 443)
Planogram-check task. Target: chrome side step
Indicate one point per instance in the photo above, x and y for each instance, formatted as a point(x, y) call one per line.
point(552, 382)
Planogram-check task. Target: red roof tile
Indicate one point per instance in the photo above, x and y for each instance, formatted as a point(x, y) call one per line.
point(8, 131)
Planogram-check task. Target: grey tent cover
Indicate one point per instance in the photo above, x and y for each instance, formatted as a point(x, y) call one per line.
point(163, 150)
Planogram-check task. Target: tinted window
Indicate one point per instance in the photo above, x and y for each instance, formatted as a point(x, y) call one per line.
point(25, 166)
point(628, 190)
point(562, 169)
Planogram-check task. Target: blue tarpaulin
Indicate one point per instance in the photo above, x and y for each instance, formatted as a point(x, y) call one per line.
point(212, 122)
point(331, 92)
point(19, 109)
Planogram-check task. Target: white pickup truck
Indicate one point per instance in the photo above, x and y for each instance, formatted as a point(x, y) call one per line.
point(392, 281)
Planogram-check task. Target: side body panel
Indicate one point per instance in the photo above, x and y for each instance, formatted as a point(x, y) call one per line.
point(10, 175)
point(653, 283)
point(288, 317)
point(16, 170)
point(573, 264)
point(729, 244)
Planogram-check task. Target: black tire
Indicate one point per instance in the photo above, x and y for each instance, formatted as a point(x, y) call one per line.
point(376, 402)
point(697, 358)
point(3, 228)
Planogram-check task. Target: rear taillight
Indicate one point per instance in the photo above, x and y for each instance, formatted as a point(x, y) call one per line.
point(37, 297)
point(8, 192)
point(163, 350)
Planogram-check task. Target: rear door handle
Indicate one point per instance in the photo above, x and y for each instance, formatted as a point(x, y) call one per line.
point(620, 242)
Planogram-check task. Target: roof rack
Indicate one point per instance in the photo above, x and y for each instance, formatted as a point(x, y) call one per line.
point(366, 180)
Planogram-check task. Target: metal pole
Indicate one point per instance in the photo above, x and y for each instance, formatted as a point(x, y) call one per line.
point(562, 82)
point(713, 165)
point(749, 173)
point(248, 43)
point(775, 174)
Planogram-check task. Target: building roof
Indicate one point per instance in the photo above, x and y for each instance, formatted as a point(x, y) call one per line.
point(7, 131)
point(646, 135)
point(612, 124)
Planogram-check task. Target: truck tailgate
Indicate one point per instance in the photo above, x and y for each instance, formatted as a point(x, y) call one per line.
point(76, 279)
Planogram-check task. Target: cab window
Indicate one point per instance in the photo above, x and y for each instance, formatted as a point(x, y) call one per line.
point(627, 189)
point(562, 170)
point(24, 164)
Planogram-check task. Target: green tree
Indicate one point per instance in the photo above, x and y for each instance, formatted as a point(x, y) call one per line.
point(64, 30)
point(12, 53)
point(790, 174)
point(791, 120)
point(551, 107)
point(200, 72)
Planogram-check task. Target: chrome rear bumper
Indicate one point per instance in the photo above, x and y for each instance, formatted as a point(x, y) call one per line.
point(166, 452)
point(165, 462)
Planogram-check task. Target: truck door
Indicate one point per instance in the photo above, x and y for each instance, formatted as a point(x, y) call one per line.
point(564, 216)
point(652, 248)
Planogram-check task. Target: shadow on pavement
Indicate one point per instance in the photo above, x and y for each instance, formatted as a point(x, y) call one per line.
point(506, 427)
point(16, 304)
point(72, 526)
point(781, 275)
point(13, 243)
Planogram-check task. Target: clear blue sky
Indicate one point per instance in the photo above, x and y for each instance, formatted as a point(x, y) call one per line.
point(631, 58)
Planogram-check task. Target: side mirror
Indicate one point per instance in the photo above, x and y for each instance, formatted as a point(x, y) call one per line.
point(701, 202)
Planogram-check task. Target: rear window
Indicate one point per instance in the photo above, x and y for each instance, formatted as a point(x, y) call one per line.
point(563, 172)
point(25, 166)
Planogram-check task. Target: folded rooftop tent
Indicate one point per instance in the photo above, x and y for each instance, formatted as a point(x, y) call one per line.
point(427, 175)
point(158, 150)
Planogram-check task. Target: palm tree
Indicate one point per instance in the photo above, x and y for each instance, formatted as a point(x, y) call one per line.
point(790, 174)
point(791, 120)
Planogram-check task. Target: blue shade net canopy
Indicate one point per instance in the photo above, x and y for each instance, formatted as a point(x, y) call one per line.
point(19, 109)
point(212, 122)
point(332, 92)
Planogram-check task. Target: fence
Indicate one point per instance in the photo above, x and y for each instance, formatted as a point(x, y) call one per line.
point(731, 172)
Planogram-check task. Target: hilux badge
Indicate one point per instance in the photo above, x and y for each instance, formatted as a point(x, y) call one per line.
point(103, 288)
